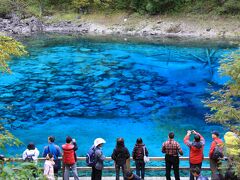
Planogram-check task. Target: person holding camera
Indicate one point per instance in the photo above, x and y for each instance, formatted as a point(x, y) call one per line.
point(196, 150)
point(70, 158)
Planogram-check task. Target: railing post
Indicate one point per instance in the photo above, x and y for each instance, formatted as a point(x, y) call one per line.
point(63, 169)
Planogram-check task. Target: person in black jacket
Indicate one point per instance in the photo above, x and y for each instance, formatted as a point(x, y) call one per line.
point(138, 154)
point(120, 155)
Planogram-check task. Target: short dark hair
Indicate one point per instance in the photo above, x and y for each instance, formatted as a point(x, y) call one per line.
point(197, 138)
point(51, 138)
point(31, 146)
point(68, 139)
point(195, 170)
point(171, 135)
point(139, 141)
point(50, 155)
point(120, 142)
point(215, 133)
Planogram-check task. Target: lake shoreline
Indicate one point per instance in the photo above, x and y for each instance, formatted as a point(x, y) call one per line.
point(126, 25)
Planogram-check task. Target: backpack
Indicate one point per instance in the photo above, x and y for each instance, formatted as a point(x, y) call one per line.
point(139, 153)
point(217, 152)
point(90, 157)
point(121, 158)
point(29, 158)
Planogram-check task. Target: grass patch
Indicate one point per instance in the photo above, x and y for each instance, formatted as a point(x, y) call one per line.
point(66, 16)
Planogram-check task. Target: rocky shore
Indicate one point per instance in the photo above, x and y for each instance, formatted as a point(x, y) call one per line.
point(126, 25)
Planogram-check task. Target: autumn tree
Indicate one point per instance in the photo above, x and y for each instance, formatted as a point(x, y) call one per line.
point(8, 48)
point(225, 102)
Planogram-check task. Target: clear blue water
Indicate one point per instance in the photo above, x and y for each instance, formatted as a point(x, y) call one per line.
point(89, 88)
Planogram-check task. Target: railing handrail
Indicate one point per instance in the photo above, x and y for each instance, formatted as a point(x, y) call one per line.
point(107, 159)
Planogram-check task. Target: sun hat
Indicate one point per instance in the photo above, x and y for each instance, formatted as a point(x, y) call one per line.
point(99, 141)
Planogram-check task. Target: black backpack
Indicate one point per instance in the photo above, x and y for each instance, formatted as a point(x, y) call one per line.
point(217, 152)
point(29, 158)
point(121, 158)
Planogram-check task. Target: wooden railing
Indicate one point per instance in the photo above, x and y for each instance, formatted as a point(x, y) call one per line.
point(111, 168)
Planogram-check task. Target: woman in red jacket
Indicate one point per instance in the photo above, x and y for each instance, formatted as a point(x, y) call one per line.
point(196, 150)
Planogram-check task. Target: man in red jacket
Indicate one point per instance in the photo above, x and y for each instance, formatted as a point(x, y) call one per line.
point(196, 150)
point(214, 164)
point(69, 158)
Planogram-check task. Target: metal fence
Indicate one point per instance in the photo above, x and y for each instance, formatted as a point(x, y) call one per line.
point(110, 167)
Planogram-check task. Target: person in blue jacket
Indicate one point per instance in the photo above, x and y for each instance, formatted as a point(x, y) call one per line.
point(55, 151)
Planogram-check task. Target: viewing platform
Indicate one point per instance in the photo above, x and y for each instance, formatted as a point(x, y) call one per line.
point(82, 169)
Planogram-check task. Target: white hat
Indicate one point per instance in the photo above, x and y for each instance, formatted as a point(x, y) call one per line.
point(99, 141)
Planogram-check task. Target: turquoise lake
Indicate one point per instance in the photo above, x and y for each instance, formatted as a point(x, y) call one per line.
point(89, 88)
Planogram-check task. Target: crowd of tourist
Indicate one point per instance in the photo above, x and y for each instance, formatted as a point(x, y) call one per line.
point(121, 157)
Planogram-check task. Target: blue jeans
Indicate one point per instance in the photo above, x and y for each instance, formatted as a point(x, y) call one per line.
point(74, 170)
point(140, 168)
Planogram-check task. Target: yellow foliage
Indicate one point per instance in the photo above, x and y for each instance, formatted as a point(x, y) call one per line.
point(9, 47)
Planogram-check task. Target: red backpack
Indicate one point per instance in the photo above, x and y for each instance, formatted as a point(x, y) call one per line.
point(68, 154)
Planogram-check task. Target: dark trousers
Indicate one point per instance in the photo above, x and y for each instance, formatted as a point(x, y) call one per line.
point(117, 168)
point(172, 161)
point(96, 174)
point(56, 167)
point(140, 168)
point(215, 167)
point(194, 166)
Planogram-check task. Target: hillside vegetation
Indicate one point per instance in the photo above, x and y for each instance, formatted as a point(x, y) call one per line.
point(27, 8)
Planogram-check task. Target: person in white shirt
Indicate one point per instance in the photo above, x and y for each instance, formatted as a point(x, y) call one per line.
point(31, 153)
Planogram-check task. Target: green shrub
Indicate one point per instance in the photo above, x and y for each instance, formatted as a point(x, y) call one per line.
point(26, 170)
point(230, 7)
point(5, 8)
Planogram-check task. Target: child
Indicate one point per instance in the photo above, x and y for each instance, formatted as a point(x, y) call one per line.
point(48, 167)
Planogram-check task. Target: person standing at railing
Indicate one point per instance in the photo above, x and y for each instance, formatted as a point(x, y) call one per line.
point(172, 149)
point(55, 151)
point(216, 147)
point(31, 153)
point(99, 158)
point(120, 155)
point(138, 157)
point(69, 158)
point(196, 150)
